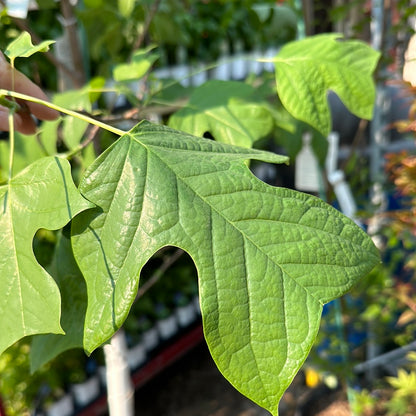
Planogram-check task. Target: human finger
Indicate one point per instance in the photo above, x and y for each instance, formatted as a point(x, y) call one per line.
point(23, 121)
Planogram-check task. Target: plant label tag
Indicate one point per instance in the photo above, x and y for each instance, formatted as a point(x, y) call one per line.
point(306, 168)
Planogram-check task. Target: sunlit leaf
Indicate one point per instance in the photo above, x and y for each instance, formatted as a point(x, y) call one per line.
point(125, 7)
point(267, 258)
point(140, 64)
point(307, 69)
point(228, 110)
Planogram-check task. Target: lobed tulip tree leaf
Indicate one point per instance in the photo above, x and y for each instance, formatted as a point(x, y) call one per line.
point(226, 109)
point(307, 69)
point(267, 258)
point(41, 196)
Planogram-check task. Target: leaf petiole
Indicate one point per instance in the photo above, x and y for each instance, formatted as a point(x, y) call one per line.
point(11, 155)
point(62, 110)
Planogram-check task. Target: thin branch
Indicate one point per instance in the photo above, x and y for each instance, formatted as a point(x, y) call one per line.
point(90, 137)
point(138, 114)
point(70, 24)
point(80, 116)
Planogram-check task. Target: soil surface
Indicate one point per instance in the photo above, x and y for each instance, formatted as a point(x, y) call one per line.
point(193, 386)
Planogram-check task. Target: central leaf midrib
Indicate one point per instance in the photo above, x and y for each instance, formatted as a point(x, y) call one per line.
point(250, 323)
point(297, 62)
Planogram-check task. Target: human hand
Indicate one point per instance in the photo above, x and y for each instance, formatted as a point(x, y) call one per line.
point(23, 120)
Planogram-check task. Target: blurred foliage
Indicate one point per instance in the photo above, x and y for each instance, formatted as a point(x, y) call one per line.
point(109, 34)
point(23, 391)
point(393, 395)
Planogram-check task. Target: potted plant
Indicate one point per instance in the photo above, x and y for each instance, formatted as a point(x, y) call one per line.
point(184, 309)
point(82, 381)
point(166, 322)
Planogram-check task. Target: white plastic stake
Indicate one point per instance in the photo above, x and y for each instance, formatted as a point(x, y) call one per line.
point(343, 193)
point(337, 178)
point(120, 392)
point(331, 161)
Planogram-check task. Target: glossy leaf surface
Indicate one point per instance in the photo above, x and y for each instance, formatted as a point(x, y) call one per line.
point(267, 258)
point(307, 69)
point(226, 109)
point(41, 196)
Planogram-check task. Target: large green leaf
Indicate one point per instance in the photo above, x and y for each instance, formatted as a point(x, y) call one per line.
point(41, 196)
point(268, 258)
point(307, 69)
point(228, 110)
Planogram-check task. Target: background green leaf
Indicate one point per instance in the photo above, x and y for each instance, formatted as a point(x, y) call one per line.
point(140, 64)
point(307, 69)
point(27, 150)
point(22, 47)
point(267, 258)
point(72, 287)
point(125, 7)
point(228, 110)
point(41, 196)
point(79, 100)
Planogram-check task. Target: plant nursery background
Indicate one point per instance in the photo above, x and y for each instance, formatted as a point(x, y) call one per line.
point(310, 96)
